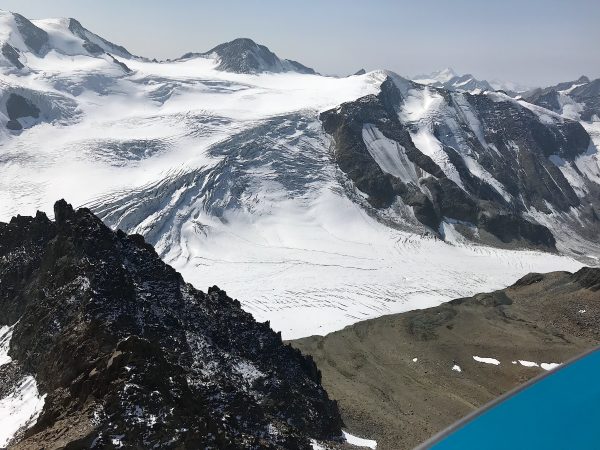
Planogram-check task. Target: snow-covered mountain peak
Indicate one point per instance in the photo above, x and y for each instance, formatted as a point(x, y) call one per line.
point(24, 41)
point(447, 78)
point(243, 55)
point(442, 75)
point(437, 76)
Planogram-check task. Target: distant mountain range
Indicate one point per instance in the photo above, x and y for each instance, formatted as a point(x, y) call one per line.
point(447, 78)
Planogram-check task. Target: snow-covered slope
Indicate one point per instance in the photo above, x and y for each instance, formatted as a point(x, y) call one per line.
point(231, 176)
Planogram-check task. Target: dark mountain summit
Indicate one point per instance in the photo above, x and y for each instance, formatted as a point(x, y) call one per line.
point(131, 356)
point(243, 55)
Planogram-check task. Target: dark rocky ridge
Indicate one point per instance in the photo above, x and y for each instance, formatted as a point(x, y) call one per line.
point(125, 349)
point(78, 30)
point(243, 55)
point(369, 367)
point(527, 174)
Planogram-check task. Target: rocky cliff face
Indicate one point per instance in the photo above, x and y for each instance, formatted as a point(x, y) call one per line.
point(129, 355)
point(482, 163)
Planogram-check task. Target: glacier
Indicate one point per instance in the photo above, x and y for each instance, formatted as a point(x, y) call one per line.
point(230, 176)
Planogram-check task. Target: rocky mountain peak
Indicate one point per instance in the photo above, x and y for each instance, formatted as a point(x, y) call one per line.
point(583, 79)
point(243, 55)
point(118, 348)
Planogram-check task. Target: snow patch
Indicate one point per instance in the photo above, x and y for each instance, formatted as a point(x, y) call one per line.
point(316, 446)
point(486, 360)
point(248, 371)
point(5, 336)
point(450, 234)
point(359, 442)
point(456, 368)
point(389, 155)
point(20, 408)
point(528, 363)
point(429, 145)
point(549, 366)
point(479, 171)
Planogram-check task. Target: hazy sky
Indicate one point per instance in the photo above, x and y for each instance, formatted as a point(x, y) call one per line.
point(529, 41)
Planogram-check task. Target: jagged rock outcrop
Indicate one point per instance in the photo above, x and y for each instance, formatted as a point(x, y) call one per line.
point(129, 355)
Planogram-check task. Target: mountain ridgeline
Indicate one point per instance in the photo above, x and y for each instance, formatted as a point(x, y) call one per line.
point(128, 354)
point(578, 99)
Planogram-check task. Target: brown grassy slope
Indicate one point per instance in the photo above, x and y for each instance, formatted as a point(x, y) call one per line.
point(385, 395)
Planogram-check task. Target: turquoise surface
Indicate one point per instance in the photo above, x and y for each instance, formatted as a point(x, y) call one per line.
point(559, 411)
